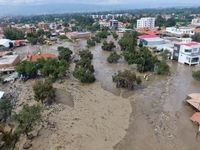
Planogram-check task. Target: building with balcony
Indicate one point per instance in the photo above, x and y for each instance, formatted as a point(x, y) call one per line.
point(187, 53)
point(147, 22)
point(180, 31)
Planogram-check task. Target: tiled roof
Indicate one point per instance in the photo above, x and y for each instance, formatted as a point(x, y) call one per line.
point(40, 56)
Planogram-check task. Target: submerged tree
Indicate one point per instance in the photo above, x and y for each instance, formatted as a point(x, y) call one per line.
point(108, 46)
point(44, 91)
point(196, 75)
point(126, 79)
point(113, 58)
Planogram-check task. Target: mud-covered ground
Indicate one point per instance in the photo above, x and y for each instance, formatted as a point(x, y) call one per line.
point(101, 117)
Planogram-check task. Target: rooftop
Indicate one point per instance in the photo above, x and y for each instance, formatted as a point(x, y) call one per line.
point(148, 36)
point(40, 56)
point(190, 44)
point(8, 59)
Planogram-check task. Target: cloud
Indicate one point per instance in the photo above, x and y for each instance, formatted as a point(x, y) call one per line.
point(13, 2)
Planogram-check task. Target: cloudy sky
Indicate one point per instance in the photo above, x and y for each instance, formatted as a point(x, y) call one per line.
point(15, 2)
point(29, 7)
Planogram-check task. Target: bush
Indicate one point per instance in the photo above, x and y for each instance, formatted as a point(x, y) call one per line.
point(196, 75)
point(27, 118)
point(108, 46)
point(162, 68)
point(113, 58)
point(44, 91)
point(126, 79)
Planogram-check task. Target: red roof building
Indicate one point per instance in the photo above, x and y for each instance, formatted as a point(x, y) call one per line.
point(34, 58)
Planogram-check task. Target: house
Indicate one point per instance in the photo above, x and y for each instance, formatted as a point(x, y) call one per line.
point(9, 62)
point(78, 35)
point(180, 31)
point(5, 44)
point(150, 40)
point(187, 53)
point(147, 22)
point(34, 58)
point(114, 24)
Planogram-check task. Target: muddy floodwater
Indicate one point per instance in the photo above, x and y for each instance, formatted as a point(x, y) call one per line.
point(160, 116)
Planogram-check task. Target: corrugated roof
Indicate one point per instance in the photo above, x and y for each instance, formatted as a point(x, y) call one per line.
point(190, 44)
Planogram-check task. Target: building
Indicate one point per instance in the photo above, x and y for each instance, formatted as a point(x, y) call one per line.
point(114, 24)
point(147, 22)
point(9, 62)
point(150, 40)
point(196, 22)
point(34, 58)
point(180, 31)
point(79, 35)
point(5, 44)
point(187, 53)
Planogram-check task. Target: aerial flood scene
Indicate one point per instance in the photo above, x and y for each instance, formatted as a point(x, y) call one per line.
point(99, 75)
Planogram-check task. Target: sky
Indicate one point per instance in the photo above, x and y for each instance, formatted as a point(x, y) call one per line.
point(29, 7)
point(17, 2)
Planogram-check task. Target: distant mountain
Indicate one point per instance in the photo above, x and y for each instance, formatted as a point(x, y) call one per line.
point(26, 9)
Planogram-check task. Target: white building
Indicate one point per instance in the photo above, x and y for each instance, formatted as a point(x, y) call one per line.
point(187, 53)
point(147, 22)
point(180, 31)
point(196, 21)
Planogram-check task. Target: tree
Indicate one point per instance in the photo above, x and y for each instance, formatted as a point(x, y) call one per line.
point(113, 58)
point(84, 68)
point(13, 34)
point(27, 118)
point(84, 75)
point(5, 109)
point(196, 75)
point(126, 79)
point(44, 91)
point(160, 21)
point(27, 69)
point(196, 37)
point(90, 43)
point(64, 54)
point(128, 41)
point(108, 46)
point(115, 36)
point(162, 68)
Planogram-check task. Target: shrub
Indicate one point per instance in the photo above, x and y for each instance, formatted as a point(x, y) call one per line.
point(84, 75)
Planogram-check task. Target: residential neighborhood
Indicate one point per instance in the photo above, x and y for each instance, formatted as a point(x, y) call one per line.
point(100, 80)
